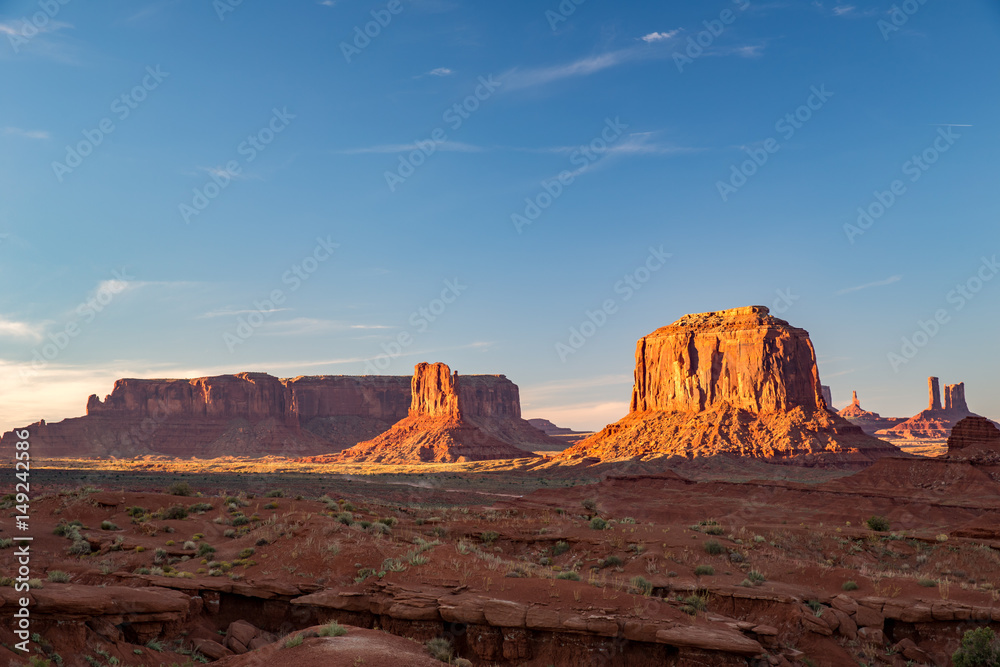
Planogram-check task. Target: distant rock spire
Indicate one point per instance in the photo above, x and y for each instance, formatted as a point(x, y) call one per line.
point(934, 391)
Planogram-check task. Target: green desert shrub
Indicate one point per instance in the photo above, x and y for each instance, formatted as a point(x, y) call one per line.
point(58, 576)
point(692, 604)
point(878, 523)
point(597, 523)
point(440, 649)
point(333, 629)
point(979, 648)
point(560, 547)
point(611, 561)
point(174, 512)
point(850, 586)
point(704, 571)
point(569, 574)
point(180, 489)
point(713, 548)
point(641, 585)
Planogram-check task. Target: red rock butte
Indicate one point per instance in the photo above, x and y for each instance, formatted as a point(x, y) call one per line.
point(737, 382)
point(937, 421)
point(455, 418)
point(870, 422)
point(972, 436)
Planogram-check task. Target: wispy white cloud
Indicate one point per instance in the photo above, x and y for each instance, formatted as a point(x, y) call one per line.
point(26, 134)
point(841, 10)
point(441, 71)
point(445, 146)
point(38, 41)
point(517, 79)
point(636, 143)
point(223, 173)
point(18, 329)
point(660, 36)
point(236, 312)
point(310, 326)
point(878, 283)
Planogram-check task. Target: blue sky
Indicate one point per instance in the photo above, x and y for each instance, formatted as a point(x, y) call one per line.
point(260, 150)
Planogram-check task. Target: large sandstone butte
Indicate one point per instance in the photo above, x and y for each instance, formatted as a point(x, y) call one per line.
point(937, 421)
point(973, 434)
point(455, 418)
point(870, 422)
point(247, 414)
point(736, 382)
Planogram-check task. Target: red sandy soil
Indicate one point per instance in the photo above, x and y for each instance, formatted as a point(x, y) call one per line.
point(524, 581)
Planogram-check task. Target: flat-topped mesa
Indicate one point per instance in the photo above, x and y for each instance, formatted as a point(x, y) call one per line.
point(743, 357)
point(250, 396)
point(973, 435)
point(246, 414)
point(738, 382)
point(382, 397)
point(455, 418)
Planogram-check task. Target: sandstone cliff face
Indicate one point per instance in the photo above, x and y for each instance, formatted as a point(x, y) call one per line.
point(250, 396)
point(737, 381)
point(742, 357)
point(248, 414)
point(455, 418)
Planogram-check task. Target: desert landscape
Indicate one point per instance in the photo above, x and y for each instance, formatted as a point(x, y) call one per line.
point(732, 518)
point(449, 333)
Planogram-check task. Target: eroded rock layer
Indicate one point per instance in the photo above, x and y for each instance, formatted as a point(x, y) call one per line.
point(737, 381)
point(455, 418)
